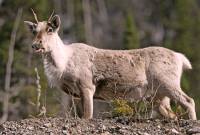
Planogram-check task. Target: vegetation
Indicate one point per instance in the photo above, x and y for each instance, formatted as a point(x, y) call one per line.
point(122, 108)
point(131, 35)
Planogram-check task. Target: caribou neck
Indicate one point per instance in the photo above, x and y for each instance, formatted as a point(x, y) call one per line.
point(59, 54)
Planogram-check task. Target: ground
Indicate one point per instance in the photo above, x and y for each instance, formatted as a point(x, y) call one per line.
point(119, 125)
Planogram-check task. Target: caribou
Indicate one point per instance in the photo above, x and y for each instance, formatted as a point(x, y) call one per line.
point(88, 72)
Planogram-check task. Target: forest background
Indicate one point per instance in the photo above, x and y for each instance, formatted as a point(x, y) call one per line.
point(111, 24)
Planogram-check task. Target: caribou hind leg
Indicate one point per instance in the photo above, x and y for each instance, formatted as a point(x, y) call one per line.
point(165, 108)
point(186, 101)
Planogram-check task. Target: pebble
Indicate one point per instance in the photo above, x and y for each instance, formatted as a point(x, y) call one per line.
point(51, 133)
point(64, 132)
point(42, 127)
point(30, 128)
point(193, 130)
point(47, 125)
point(103, 127)
point(174, 131)
point(105, 133)
point(64, 127)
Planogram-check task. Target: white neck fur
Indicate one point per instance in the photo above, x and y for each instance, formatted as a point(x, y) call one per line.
point(60, 54)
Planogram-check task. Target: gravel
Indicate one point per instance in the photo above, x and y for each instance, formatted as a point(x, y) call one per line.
point(114, 126)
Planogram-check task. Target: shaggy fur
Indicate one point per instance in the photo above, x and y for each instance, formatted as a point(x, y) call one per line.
point(88, 72)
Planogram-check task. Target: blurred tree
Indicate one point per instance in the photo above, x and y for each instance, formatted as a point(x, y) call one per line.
point(78, 28)
point(131, 36)
point(87, 14)
point(185, 40)
point(184, 25)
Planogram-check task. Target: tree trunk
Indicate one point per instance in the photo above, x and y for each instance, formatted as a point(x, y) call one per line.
point(103, 15)
point(87, 21)
point(9, 66)
point(70, 12)
point(102, 32)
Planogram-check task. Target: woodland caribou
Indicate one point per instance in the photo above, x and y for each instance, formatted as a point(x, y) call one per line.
point(88, 72)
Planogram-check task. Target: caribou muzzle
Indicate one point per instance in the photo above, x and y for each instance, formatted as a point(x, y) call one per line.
point(37, 48)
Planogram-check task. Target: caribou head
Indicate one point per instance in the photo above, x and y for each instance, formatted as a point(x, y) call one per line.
point(45, 32)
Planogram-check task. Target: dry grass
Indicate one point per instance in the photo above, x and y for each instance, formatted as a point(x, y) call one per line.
point(40, 109)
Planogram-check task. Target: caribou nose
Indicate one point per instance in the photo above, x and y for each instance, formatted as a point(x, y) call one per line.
point(36, 46)
point(33, 46)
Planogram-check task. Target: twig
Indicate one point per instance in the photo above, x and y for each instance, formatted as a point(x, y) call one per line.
point(38, 90)
point(43, 112)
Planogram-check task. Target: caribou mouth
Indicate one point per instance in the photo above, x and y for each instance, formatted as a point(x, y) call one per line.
point(39, 50)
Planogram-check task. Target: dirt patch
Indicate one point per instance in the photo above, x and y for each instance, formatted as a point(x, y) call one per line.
point(120, 125)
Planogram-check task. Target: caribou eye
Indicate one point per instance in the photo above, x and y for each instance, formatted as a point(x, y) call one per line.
point(49, 30)
point(34, 32)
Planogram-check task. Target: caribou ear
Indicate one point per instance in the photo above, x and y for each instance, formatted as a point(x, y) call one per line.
point(31, 26)
point(55, 22)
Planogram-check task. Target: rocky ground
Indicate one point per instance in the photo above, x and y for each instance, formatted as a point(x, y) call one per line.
point(120, 125)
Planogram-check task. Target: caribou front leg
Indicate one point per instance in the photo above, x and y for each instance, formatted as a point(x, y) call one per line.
point(87, 102)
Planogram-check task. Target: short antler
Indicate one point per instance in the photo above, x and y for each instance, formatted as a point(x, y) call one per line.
point(35, 16)
point(51, 16)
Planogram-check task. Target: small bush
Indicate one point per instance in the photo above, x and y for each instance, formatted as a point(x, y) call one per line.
point(121, 108)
